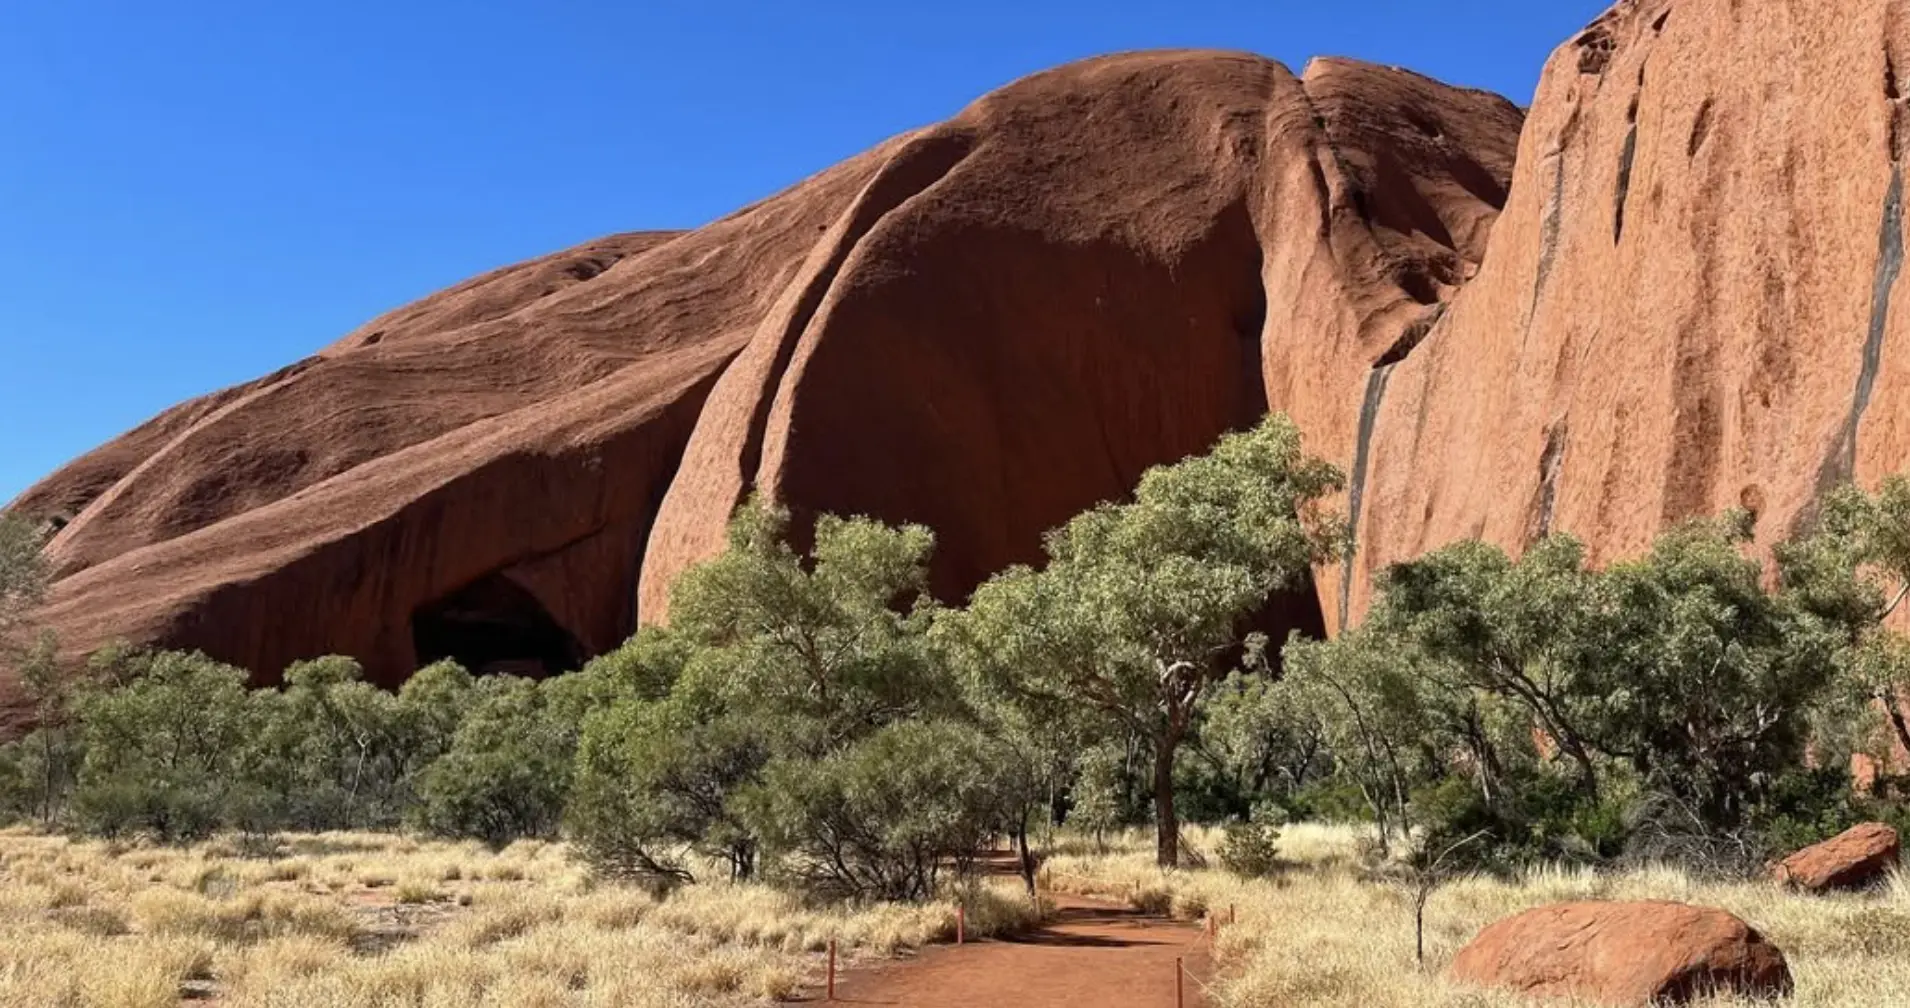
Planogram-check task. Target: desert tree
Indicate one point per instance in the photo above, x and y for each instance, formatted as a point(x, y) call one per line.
point(1701, 675)
point(792, 720)
point(1143, 605)
point(1474, 621)
point(1853, 569)
point(1372, 714)
point(1098, 793)
point(23, 579)
point(814, 651)
point(168, 749)
point(507, 770)
point(1683, 679)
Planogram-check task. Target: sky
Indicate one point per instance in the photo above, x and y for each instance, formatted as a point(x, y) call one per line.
point(196, 193)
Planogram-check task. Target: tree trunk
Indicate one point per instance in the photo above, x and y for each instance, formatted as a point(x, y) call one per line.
point(1166, 823)
point(1026, 857)
point(1897, 722)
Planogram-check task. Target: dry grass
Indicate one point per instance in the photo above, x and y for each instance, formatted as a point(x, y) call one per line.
point(372, 921)
point(1320, 935)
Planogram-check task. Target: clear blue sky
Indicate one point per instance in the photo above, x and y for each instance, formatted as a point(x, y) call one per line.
point(195, 193)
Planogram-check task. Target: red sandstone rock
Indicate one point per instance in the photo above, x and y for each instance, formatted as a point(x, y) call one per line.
point(1692, 301)
point(1624, 954)
point(1854, 859)
point(986, 325)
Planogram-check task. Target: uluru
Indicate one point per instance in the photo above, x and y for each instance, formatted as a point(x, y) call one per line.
point(1665, 290)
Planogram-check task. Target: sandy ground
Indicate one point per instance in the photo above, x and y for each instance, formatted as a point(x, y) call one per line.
point(1089, 955)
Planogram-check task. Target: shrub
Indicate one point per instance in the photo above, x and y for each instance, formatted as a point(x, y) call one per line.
point(1099, 794)
point(1250, 849)
point(654, 781)
point(1156, 900)
point(1813, 804)
point(507, 770)
point(165, 751)
point(879, 820)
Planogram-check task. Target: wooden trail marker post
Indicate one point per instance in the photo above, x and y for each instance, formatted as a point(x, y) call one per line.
point(1179, 1000)
point(832, 969)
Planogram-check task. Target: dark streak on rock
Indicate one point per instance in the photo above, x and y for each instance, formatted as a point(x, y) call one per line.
point(1551, 460)
point(1548, 240)
point(1356, 494)
point(1841, 465)
point(1700, 128)
point(1625, 159)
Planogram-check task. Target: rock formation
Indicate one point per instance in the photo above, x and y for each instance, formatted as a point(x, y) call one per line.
point(986, 325)
point(1689, 300)
point(1687, 304)
point(1857, 858)
point(1638, 953)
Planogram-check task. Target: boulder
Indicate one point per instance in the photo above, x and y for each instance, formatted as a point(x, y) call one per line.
point(1854, 859)
point(1624, 954)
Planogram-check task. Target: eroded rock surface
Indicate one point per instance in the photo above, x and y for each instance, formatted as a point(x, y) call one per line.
point(1636, 953)
point(986, 325)
point(1690, 303)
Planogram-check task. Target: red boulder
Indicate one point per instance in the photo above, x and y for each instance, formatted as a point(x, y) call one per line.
point(1854, 859)
point(1624, 954)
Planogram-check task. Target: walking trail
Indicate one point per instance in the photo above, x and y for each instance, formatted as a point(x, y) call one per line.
point(1089, 955)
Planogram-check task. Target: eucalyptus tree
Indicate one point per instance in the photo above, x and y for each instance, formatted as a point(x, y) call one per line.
point(1143, 606)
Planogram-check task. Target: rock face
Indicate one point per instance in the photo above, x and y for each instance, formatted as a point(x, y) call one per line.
point(1624, 954)
point(1691, 301)
point(986, 325)
point(1854, 859)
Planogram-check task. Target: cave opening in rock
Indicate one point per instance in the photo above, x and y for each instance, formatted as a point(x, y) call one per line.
point(493, 626)
point(1295, 609)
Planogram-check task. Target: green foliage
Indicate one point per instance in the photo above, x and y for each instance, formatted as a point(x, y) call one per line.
point(881, 818)
point(1808, 805)
point(1140, 607)
point(341, 748)
point(1374, 712)
point(801, 707)
point(507, 770)
point(176, 746)
point(22, 579)
point(655, 782)
point(817, 719)
point(816, 655)
point(1251, 745)
point(37, 771)
point(1531, 700)
point(1854, 571)
point(165, 751)
point(1099, 794)
point(645, 667)
point(1538, 815)
point(1251, 849)
point(1707, 677)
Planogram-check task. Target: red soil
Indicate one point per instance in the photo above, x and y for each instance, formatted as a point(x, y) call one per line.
point(1090, 953)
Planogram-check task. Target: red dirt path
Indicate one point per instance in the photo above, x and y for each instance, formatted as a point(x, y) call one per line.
point(1089, 955)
